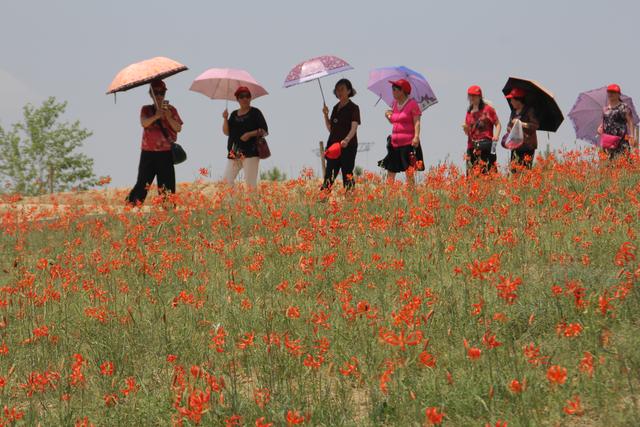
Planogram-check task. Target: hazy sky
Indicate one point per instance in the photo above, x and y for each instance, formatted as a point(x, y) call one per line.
point(72, 50)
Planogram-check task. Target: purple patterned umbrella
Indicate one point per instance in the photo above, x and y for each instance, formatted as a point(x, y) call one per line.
point(586, 114)
point(314, 69)
point(420, 89)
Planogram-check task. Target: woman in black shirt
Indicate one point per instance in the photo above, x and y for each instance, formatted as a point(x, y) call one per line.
point(243, 127)
point(342, 126)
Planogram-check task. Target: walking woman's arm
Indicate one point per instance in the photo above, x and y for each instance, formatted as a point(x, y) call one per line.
point(175, 124)
point(416, 137)
point(532, 124)
point(147, 121)
point(352, 132)
point(630, 127)
point(497, 129)
point(263, 128)
point(225, 122)
point(325, 113)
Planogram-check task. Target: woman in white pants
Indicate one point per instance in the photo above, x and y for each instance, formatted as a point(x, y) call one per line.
point(243, 127)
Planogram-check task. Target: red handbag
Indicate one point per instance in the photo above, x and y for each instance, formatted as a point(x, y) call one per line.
point(263, 148)
point(609, 142)
point(334, 151)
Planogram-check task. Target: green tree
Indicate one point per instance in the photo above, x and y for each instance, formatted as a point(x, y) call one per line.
point(39, 154)
point(273, 174)
point(358, 171)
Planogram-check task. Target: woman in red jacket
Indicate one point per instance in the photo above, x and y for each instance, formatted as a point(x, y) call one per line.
point(482, 127)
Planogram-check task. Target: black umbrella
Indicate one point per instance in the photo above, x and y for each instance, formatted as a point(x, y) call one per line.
point(540, 99)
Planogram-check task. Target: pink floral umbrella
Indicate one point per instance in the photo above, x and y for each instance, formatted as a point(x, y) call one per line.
point(315, 69)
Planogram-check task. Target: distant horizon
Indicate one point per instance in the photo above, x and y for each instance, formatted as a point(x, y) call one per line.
point(73, 50)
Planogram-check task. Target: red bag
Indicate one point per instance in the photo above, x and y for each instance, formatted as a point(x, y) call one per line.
point(610, 142)
point(263, 148)
point(334, 151)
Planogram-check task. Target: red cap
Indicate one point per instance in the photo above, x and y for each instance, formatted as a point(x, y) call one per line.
point(334, 151)
point(613, 88)
point(474, 90)
point(402, 84)
point(157, 85)
point(242, 89)
point(516, 92)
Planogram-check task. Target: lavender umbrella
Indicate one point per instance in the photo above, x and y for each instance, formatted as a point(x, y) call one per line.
point(420, 90)
point(586, 113)
point(314, 69)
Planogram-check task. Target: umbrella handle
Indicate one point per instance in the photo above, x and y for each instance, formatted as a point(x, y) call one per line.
point(322, 93)
point(153, 95)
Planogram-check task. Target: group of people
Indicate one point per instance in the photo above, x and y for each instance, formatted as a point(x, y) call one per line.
point(246, 126)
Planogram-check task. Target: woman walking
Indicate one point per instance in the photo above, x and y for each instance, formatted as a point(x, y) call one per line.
point(161, 124)
point(404, 146)
point(243, 127)
point(522, 156)
point(342, 126)
point(482, 127)
point(617, 124)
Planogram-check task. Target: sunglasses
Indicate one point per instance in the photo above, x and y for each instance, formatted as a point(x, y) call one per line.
point(159, 92)
point(244, 96)
point(394, 87)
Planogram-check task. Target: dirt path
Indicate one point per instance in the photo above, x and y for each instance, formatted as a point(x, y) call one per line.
point(92, 202)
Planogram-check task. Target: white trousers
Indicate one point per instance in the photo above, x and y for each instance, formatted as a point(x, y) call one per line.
point(249, 165)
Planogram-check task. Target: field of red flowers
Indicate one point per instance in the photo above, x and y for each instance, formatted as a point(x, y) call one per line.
point(499, 301)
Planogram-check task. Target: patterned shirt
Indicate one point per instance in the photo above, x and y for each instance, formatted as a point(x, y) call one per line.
point(480, 124)
point(614, 119)
point(154, 137)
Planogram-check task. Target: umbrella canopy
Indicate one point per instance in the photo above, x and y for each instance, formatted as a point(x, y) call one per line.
point(586, 113)
point(420, 89)
point(542, 101)
point(221, 83)
point(144, 72)
point(315, 68)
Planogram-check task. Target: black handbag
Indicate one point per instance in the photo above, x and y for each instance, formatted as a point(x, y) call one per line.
point(417, 152)
point(177, 152)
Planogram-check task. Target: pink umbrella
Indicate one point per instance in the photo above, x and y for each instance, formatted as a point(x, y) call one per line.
point(314, 69)
point(221, 83)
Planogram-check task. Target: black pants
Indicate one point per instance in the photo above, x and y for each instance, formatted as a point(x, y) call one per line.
point(475, 157)
point(522, 158)
point(346, 162)
point(153, 164)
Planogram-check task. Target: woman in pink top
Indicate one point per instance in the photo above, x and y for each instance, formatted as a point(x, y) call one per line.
point(404, 154)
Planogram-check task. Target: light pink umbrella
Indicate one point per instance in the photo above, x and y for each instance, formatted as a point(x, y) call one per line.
point(314, 69)
point(221, 83)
